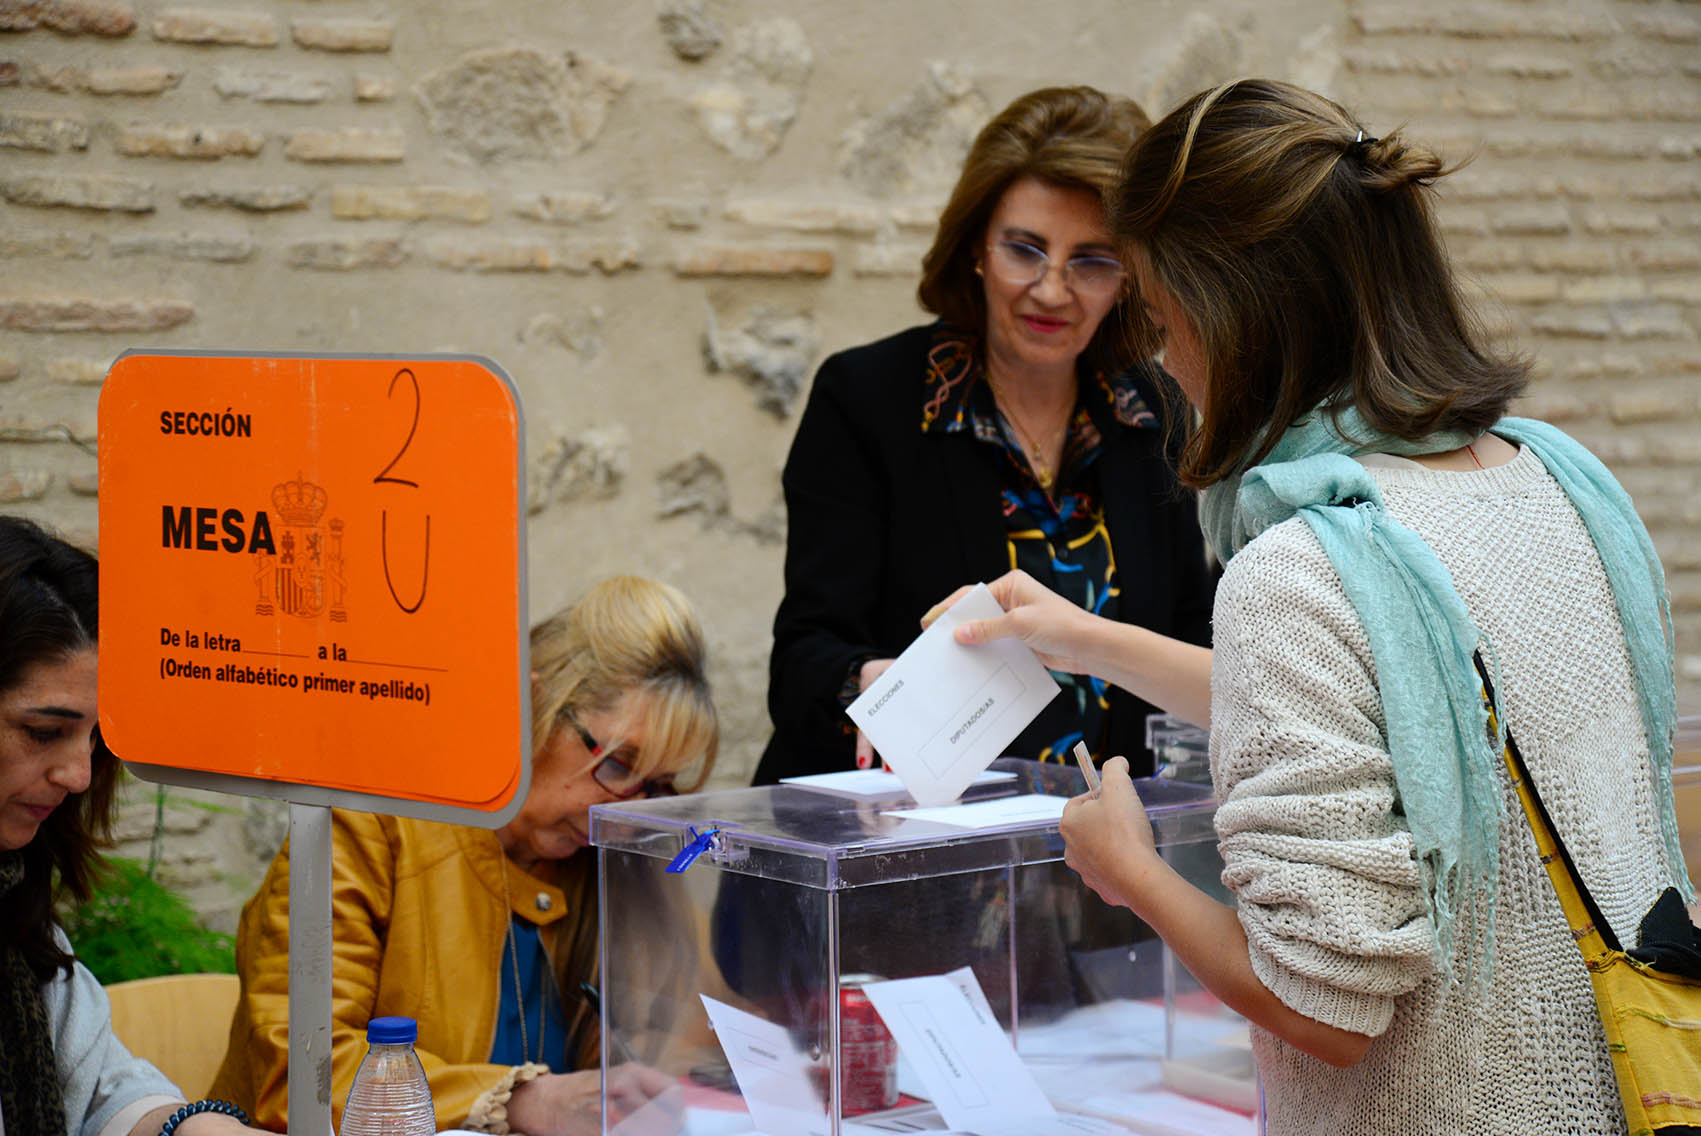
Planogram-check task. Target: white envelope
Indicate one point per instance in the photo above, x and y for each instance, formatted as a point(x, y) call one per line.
point(947, 1033)
point(994, 813)
point(874, 782)
point(943, 712)
point(777, 1080)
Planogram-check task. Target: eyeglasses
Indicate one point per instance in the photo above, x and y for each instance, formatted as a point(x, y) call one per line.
point(1024, 265)
point(614, 774)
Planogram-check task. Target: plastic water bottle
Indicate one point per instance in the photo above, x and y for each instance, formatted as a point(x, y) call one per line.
point(390, 1096)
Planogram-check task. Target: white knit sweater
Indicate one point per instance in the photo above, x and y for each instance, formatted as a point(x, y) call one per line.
point(1319, 855)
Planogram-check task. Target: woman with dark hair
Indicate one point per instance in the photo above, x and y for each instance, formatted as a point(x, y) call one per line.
point(1397, 943)
point(62, 1071)
point(1020, 430)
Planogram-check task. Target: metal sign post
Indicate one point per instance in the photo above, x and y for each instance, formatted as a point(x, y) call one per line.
point(310, 966)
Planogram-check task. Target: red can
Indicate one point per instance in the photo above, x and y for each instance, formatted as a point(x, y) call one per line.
point(868, 1055)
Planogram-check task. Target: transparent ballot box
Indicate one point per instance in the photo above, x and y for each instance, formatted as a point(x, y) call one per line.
point(748, 974)
point(1183, 750)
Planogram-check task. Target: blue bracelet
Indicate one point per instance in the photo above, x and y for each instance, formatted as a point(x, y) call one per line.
point(223, 1108)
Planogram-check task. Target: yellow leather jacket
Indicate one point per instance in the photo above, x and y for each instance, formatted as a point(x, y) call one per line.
point(420, 914)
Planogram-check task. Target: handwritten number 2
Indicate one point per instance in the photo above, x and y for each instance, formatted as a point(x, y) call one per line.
point(384, 517)
point(384, 474)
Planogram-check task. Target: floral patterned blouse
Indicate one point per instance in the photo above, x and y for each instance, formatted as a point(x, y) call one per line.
point(1058, 538)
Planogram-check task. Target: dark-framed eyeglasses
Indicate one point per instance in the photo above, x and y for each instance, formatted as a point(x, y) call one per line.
point(1025, 265)
point(612, 771)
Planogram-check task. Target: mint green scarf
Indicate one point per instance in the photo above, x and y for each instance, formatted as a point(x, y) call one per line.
point(1422, 638)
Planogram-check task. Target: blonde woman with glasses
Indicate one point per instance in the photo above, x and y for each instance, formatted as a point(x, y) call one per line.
point(1020, 430)
point(489, 939)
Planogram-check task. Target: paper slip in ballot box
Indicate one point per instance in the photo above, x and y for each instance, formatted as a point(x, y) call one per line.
point(746, 973)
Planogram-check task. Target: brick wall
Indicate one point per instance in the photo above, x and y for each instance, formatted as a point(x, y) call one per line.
point(1579, 222)
point(659, 216)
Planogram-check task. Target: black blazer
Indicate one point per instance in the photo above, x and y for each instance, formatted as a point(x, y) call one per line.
point(884, 521)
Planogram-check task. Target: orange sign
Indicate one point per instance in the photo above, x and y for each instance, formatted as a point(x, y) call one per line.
point(311, 573)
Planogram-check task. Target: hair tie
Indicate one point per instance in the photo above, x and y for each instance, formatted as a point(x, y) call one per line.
point(1361, 145)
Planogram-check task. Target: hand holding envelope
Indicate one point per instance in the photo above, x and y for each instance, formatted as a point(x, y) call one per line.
point(1030, 613)
point(945, 710)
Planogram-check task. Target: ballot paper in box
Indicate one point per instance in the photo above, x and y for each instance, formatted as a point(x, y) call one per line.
point(828, 959)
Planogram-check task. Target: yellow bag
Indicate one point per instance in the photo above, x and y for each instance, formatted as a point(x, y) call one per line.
point(1651, 1013)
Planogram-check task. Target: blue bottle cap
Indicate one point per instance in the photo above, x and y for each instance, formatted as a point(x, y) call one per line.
point(391, 1031)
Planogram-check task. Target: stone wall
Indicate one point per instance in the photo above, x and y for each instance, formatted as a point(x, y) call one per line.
point(659, 216)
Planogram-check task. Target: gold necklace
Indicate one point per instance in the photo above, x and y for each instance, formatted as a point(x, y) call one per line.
point(519, 992)
point(1043, 473)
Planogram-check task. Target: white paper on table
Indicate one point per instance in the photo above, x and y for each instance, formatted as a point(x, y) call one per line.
point(1068, 1123)
point(1169, 1114)
point(990, 814)
point(1124, 1027)
point(776, 1079)
point(943, 712)
point(1063, 1124)
point(661, 1115)
point(714, 1122)
point(965, 1061)
point(876, 782)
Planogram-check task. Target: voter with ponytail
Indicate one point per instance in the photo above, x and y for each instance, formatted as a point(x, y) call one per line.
point(1385, 523)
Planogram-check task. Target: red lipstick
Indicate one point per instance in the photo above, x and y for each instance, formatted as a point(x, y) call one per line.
point(1045, 325)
